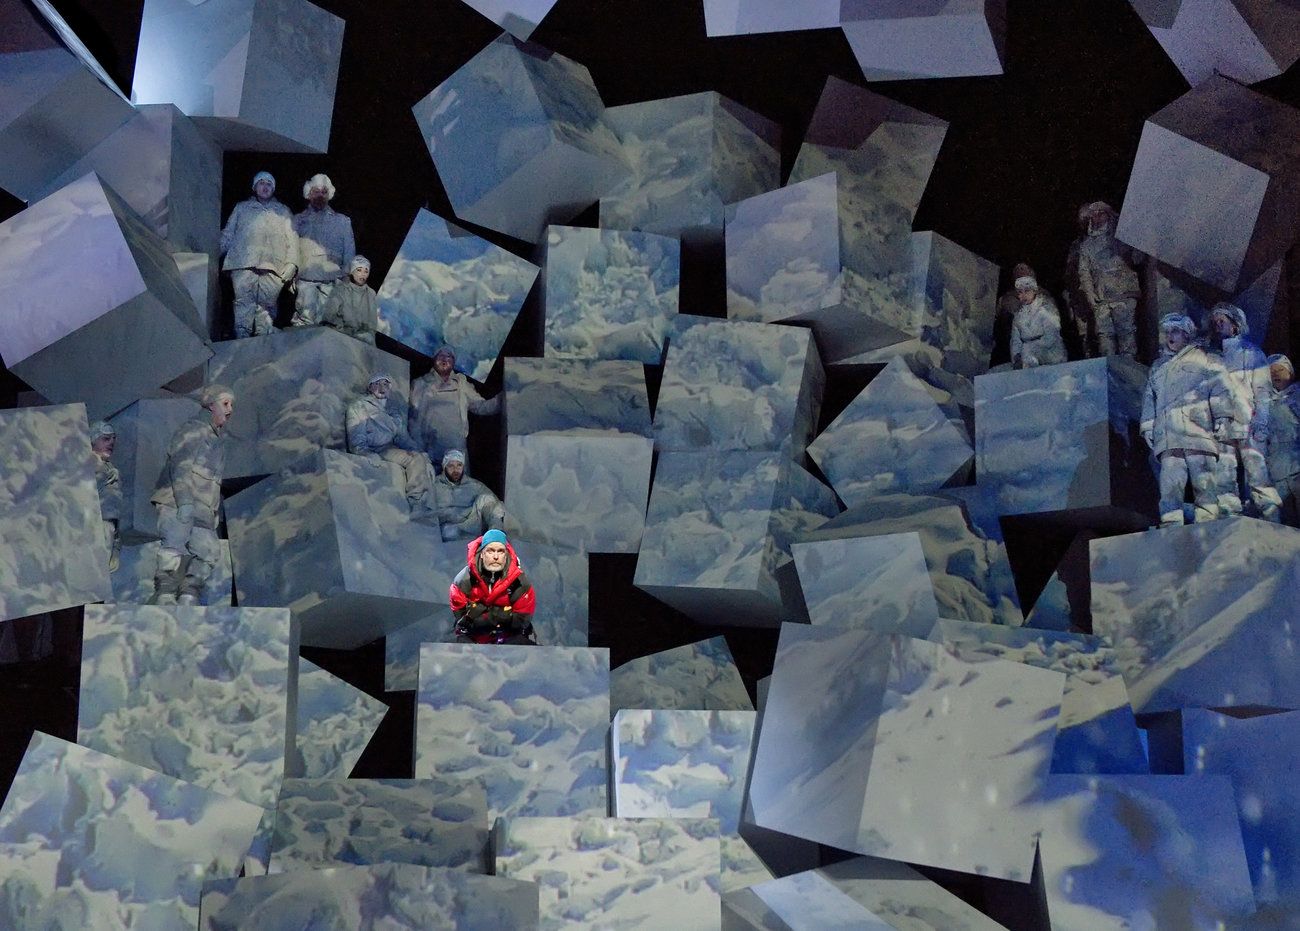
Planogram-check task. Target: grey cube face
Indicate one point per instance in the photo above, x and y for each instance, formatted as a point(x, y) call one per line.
point(689, 157)
point(745, 17)
point(1214, 187)
point(741, 386)
point(143, 841)
point(528, 721)
point(1200, 614)
point(257, 74)
point(335, 723)
point(208, 695)
point(939, 39)
point(52, 548)
point(699, 676)
point(868, 583)
point(561, 156)
point(517, 17)
point(144, 433)
point(292, 391)
point(1063, 437)
point(119, 325)
point(387, 896)
point(1248, 44)
point(901, 704)
point(616, 872)
point(1207, 885)
point(332, 539)
point(609, 294)
point(576, 397)
point(449, 287)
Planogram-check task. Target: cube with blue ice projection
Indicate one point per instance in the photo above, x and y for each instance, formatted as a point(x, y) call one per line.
point(869, 583)
point(332, 538)
point(1120, 852)
point(447, 286)
point(256, 75)
point(893, 895)
point(529, 722)
point(731, 385)
point(88, 840)
point(615, 872)
point(144, 434)
point(52, 548)
point(1214, 184)
point(57, 103)
point(380, 897)
point(576, 397)
point(718, 534)
point(1202, 616)
point(869, 766)
point(895, 41)
point(698, 676)
point(519, 137)
point(292, 391)
point(690, 156)
point(208, 695)
point(559, 577)
point(439, 821)
point(969, 571)
point(584, 492)
point(893, 437)
point(688, 764)
point(744, 17)
point(133, 579)
point(1064, 437)
point(517, 17)
point(1097, 732)
point(609, 294)
point(335, 723)
point(119, 324)
point(1258, 754)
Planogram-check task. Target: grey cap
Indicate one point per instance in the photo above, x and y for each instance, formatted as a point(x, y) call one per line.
point(1178, 322)
point(101, 428)
point(1233, 313)
point(453, 455)
point(211, 394)
point(1278, 358)
point(379, 376)
point(264, 176)
point(358, 261)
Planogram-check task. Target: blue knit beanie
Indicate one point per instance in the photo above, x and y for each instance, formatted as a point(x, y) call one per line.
point(493, 536)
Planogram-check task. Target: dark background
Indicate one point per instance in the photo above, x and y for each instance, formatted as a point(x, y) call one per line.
point(1023, 151)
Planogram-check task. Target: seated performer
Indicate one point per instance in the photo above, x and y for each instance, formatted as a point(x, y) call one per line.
point(491, 597)
point(352, 306)
point(466, 507)
point(108, 482)
point(374, 432)
point(1035, 328)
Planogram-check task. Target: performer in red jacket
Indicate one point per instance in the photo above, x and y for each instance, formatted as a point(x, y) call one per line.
point(491, 597)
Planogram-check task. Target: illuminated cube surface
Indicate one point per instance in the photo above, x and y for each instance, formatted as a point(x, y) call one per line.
point(53, 106)
point(332, 539)
point(529, 722)
point(1244, 41)
point(517, 17)
point(519, 138)
point(698, 676)
point(609, 294)
point(576, 397)
point(688, 764)
point(731, 385)
point(133, 580)
point(1213, 184)
point(743, 17)
point(335, 723)
point(1064, 437)
point(208, 695)
point(558, 576)
point(1166, 850)
point(1200, 615)
point(872, 771)
point(718, 533)
point(144, 434)
point(382, 897)
point(52, 549)
point(944, 39)
point(869, 583)
point(615, 872)
point(292, 391)
point(100, 842)
point(439, 822)
point(119, 324)
point(256, 75)
point(690, 156)
point(893, 437)
point(585, 492)
point(449, 287)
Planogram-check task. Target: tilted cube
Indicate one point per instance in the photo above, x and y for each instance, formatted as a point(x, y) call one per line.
point(119, 324)
point(699, 676)
point(609, 294)
point(519, 138)
point(256, 75)
point(947, 39)
point(144, 434)
point(517, 17)
point(332, 539)
point(690, 156)
point(743, 17)
point(1245, 41)
point(449, 287)
point(1215, 186)
point(53, 553)
point(335, 723)
point(577, 397)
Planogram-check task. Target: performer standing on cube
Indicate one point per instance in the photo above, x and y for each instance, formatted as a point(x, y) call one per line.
point(261, 252)
point(1108, 284)
point(325, 249)
point(441, 403)
point(1282, 444)
point(1036, 327)
point(108, 482)
point(492, 599)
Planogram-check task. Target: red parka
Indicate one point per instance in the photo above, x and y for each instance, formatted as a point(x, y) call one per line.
point(508, 602)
